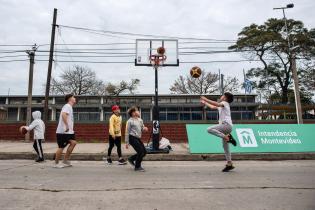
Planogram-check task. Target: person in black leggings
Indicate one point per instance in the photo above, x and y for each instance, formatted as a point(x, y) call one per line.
point(134, 129)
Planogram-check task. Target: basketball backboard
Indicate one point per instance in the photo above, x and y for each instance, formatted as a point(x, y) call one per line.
point(145, 48)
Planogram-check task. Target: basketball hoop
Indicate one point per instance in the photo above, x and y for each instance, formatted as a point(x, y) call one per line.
point(157, 60)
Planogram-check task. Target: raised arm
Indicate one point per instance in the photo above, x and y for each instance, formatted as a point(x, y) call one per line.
point(210, 102)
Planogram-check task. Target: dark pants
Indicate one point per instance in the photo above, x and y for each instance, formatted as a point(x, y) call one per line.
point(138, 146)
point(38, 148)
point(112, 142)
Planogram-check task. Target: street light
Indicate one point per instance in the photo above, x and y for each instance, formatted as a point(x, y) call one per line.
point(293, 67)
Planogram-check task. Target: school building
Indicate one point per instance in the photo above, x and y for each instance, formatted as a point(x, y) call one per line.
point(98, 108)
point(92, 113)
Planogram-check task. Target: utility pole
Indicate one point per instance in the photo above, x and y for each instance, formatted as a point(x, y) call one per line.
point(298, 105)
point(296, 89)
point(219, 81)
point(222, 84)
point(51, 54)
point(246, 106)
point(31, 55)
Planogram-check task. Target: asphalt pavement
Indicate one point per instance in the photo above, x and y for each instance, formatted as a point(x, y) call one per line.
point(165, 185)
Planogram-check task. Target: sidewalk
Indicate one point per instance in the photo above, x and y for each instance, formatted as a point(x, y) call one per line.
point(96, 151)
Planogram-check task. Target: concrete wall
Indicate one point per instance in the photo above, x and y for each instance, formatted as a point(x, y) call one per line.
point(93, 132)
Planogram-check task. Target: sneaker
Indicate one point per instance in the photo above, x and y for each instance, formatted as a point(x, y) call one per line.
point(232, 140)
point(131, 162)
point(140, 169)
point(109, 161)
point(122, 162)
point(58, 165)
point(228, 168)
point(38, 160)
point(66, 163)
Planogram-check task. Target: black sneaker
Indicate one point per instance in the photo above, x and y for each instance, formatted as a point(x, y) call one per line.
point(228, 168)
point(131, 162)
point(109, 161)
point(140, 169)
point(232, 140)
point(38, 160)
point(122, 162)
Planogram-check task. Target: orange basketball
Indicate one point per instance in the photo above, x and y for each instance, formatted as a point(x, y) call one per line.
point(195, 72)
point(161, 50)
point(23, 130)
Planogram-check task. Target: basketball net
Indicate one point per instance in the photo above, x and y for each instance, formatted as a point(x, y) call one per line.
point(157, 60)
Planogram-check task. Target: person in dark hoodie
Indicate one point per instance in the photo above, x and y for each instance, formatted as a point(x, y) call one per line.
point(39, 134)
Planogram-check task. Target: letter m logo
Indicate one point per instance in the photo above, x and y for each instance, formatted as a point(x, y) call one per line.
point(246, 137)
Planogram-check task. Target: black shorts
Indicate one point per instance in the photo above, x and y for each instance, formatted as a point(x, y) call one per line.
point(64, 139)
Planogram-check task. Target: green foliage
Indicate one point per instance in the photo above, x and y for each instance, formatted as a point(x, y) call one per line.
point(268, 42)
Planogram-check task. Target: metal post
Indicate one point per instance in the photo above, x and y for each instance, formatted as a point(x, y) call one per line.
point(222, 83)
point(295, 78)
point(156, 115)
point(31, 55)
point(246, 108)
point(298, 106)
point(51, 54)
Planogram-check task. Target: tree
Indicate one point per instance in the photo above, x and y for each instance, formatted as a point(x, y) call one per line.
point(78, 80)
point(81, 80)
point(207, 83)
point(268, 43)
point(123, 86)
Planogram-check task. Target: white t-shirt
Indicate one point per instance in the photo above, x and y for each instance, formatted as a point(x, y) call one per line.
point(225, 113)
point(67, 108)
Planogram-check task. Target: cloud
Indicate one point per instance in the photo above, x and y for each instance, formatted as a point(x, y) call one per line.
point(29, 22)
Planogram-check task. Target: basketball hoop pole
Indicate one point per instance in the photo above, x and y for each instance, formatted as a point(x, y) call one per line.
point(156, 114)
point(156, 61)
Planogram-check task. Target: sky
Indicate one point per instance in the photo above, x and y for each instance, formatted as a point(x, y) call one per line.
point(28, 22)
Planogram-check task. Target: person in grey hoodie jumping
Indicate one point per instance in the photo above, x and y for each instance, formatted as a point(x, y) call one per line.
point(39, 134)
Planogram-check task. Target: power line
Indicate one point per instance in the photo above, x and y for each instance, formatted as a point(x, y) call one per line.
point(15, 45)
point(12, 60)
point(124, 62)
point(12, 56)
point(143, 35)
point(12, 51)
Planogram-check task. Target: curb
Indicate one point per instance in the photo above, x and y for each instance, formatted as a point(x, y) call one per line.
point(172, 157)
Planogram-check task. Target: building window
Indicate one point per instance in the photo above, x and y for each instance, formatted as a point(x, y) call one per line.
point(83, 114)
point(12, 114)
point(162, 116)
point(212, 115)
point(236, 115)
point(196, 116)
point(146, 114)
point(185, 116)
point(172, 116)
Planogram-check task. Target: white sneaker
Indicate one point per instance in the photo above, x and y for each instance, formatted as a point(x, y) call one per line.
point(58, 165)
point(66, 163)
